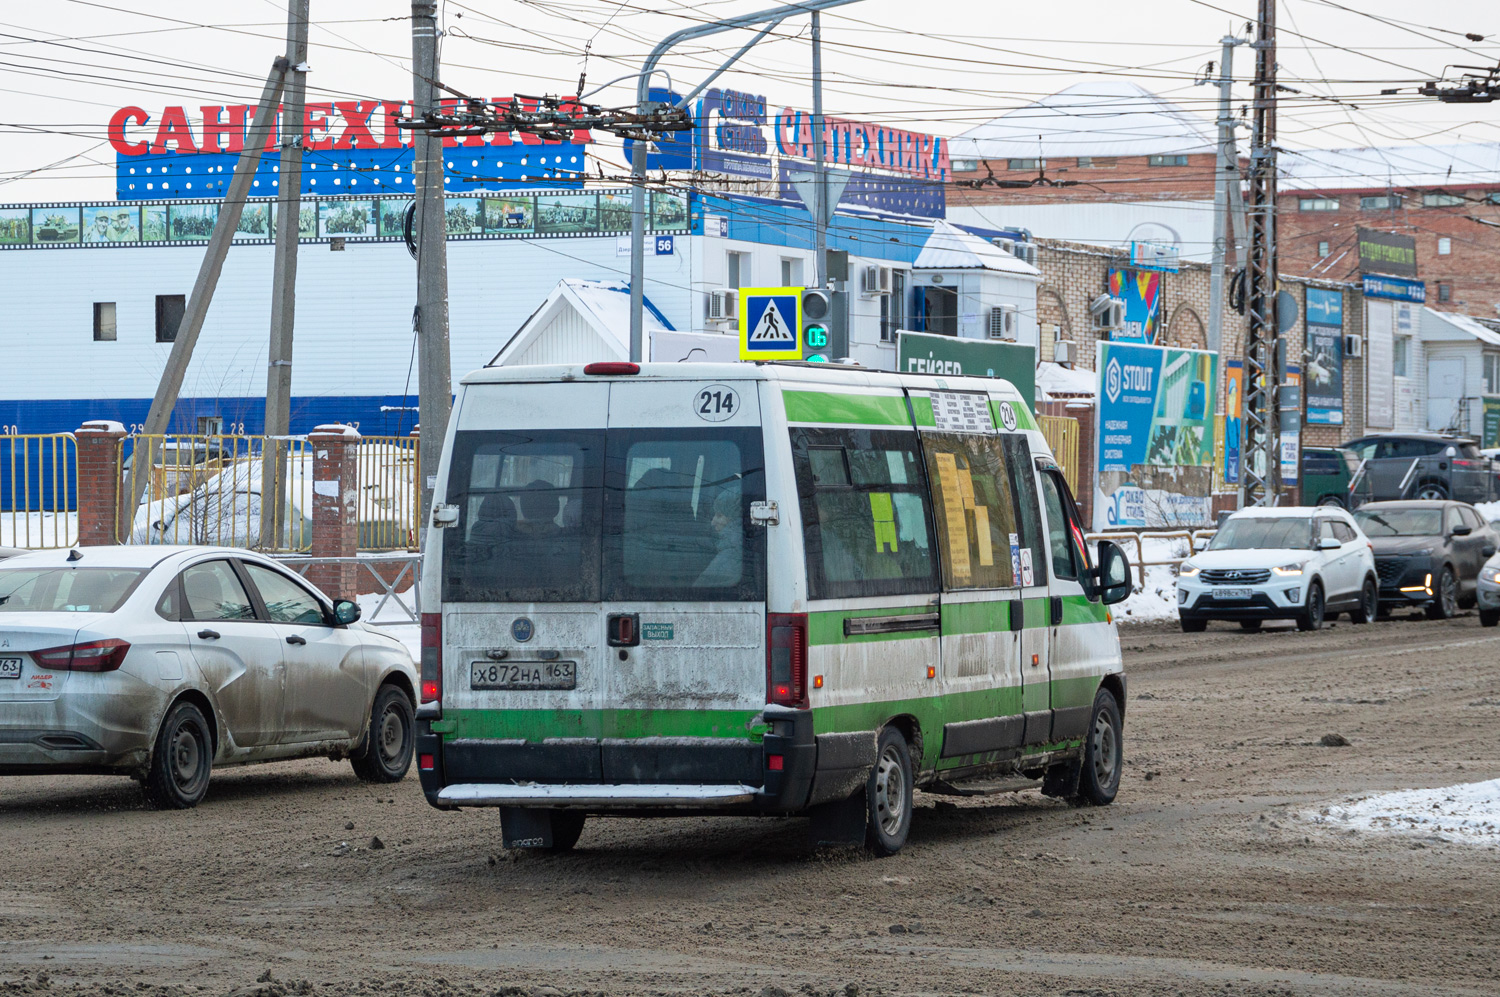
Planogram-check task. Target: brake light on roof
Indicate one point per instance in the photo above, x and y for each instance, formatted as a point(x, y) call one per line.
point(92, 656)
point(432, 657)
point(786, 659)
point(612, 367)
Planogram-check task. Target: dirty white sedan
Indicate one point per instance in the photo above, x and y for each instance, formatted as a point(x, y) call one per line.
point(163, 662)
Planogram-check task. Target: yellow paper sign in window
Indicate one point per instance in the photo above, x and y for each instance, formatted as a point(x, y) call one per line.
point(953, 514)
point(883, 515)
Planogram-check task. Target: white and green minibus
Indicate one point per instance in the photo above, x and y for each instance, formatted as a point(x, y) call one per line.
point(778, 589)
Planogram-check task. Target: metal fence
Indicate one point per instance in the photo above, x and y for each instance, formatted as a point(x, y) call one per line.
point(218, 489)
point(396, 578)
point(39, 491)
point(1133, 542)
point(1061, 434)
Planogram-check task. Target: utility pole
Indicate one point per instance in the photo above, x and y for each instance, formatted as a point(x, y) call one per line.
point(159, 417)
point(284, 273)
point(1262, 375)
point(822, 210)
point(434, 368)
point(770, 18)
point(1226, 175)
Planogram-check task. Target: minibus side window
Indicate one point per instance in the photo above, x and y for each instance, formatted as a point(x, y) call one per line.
point(529, 517)
point(1064, 532)
point(975, 510)
point(677, 523)
point(865, 512)
point(1028, 512)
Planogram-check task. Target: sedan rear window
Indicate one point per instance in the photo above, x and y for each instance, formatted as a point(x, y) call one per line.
point(1264, 532)
point(66, 590)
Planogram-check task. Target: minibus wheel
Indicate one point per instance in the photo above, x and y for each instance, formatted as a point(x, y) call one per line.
point(1103, 752)
point(888, 794)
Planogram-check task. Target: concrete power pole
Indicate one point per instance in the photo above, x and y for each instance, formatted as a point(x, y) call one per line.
point(284, 270)
point(434, 368)
point(1226, 175)
point(1262, 376)
point(822, 209)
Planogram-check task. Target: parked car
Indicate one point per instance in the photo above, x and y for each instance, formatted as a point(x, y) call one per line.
point(1298, 563)
point(1327, 473)
point(163, 662)
point(1428, 554)
point(1422, 466)
point(1487, 592)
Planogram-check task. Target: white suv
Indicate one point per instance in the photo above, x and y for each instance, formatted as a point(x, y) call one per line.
point(1303, 564)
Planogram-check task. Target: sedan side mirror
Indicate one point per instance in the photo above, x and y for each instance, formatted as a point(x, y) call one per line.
point(1461, 531)
point(345, 612)
point(1113, 574)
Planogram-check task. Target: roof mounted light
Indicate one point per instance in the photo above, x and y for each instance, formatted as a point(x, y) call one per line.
point(612, 367)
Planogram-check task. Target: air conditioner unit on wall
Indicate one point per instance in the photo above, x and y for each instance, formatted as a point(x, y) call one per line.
point(723, 304)
point(1354, 346)
point(1025, 251)
point(1064, 351)
point(875, 280)
point(1003, 322)
point(1108, 313)
point(1009, 245)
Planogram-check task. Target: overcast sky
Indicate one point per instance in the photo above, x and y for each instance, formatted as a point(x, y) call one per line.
point(941, 66)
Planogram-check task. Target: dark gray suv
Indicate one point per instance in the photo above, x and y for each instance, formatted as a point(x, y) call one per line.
point(1421, 466)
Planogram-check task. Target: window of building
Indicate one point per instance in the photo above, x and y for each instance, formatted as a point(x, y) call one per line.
point(1323, 249)
point(1445, 292)
point(169, 309)
point(1440, 199)
point(965, 165)
point(1025, 164)
point(1317, 204)
point(104, 321)
point(1401, 348)
point(1445, 246)
point(1166, 161)
point(791, 273)
point(1096, 162)
point(1492, 373)
point(739, 268)
point(1380, 202)
point(893, 308)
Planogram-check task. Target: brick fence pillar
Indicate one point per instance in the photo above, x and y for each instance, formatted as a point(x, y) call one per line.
point(335, 518)
point(99, 481)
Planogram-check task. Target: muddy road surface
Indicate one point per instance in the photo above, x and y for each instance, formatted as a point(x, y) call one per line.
point(1205, 877)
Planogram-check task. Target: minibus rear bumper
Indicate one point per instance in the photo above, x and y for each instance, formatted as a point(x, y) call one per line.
point(786, 771)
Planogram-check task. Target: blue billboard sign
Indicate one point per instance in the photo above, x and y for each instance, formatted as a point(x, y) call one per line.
point(1325, 349)
point(1394, 288)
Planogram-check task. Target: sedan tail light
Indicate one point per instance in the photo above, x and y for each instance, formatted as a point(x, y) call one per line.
point(92, 656)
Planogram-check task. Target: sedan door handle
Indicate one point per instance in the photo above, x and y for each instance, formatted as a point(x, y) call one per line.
point(294, 639)
point(208, 634)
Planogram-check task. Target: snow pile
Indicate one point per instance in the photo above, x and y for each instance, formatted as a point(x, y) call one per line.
point(1157, 599)
point(1489, 510)
point(1468, 813)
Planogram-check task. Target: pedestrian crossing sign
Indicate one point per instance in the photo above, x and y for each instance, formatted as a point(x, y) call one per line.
point(770, 320)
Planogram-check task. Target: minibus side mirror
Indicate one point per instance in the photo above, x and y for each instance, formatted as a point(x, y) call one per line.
point(1113, 574)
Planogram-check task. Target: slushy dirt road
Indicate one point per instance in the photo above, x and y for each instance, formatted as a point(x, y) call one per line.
point(1203, 878)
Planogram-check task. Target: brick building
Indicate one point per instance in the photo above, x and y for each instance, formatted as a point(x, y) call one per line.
point(1445, 197)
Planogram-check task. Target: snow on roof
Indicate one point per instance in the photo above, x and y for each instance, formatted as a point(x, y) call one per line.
point(1055, 382)
point(1097, 118)
point(951, 248)
point(604, 304)
point(1378, 167)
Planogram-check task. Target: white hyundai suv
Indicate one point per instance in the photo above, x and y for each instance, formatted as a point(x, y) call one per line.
point(1303, 564)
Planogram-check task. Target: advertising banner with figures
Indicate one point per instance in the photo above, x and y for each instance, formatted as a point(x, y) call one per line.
point(1154, 449)
point(1141, 292)
point(1325, 348)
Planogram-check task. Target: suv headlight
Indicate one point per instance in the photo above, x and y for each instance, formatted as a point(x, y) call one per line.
point(1490, 574)
point(1187, 570)
point(1424, 552)
point(1288, 570)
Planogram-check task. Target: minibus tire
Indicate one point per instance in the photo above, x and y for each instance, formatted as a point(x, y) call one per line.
point(1103, 735)
point(889, 787)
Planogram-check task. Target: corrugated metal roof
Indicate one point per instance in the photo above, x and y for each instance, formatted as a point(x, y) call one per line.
point(1097, 118)
point(951, 248)
point(1376, 167)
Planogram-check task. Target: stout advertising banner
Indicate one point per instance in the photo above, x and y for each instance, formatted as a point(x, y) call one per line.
point(1154, 449)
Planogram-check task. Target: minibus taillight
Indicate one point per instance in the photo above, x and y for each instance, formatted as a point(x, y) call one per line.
point(432, 657)
point(786, 659)
point(612, 367)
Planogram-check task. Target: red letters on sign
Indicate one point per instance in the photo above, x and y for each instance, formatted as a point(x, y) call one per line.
point(117, 124)
point(356, 115)
point(234, 128)
point(452, 105)
point(174, 128)
point(316, 127)
point(390, 137)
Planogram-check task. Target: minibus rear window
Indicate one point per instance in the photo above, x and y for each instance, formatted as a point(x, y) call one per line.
point(865, 513)
point(529, 517)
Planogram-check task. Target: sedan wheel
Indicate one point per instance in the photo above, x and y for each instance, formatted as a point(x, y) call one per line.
point(388, 749)
point(182, 760)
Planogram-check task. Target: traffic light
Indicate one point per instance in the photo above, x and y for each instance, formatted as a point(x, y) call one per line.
point(816, 312)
